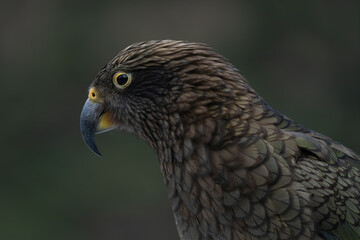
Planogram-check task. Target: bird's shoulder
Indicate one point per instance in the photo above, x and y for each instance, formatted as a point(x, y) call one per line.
point(328, 170)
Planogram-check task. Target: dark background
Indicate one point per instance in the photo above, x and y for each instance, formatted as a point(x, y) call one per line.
point(302, 57)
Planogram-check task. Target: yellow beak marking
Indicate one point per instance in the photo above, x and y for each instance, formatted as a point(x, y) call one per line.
point(105, 123)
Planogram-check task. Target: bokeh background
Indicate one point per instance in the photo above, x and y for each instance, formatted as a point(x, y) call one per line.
point(301, 56)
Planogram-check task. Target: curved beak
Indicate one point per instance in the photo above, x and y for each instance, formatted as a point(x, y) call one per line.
point(89, 121)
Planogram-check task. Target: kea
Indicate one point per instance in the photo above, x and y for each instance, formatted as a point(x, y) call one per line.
point(234, 167)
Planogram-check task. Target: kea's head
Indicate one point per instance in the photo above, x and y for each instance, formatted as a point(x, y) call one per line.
point(156, 89)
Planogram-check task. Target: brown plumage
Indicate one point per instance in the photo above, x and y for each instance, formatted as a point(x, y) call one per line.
point(234, 167)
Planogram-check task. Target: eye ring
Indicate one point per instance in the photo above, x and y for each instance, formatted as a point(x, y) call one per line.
point(122, 80)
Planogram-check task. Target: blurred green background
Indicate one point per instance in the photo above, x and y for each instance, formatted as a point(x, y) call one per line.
point(301, 56)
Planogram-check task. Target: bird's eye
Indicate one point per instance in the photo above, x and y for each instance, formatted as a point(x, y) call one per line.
point(122, 80)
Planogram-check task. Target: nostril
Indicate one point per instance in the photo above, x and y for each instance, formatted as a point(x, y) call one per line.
point(92, 94)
